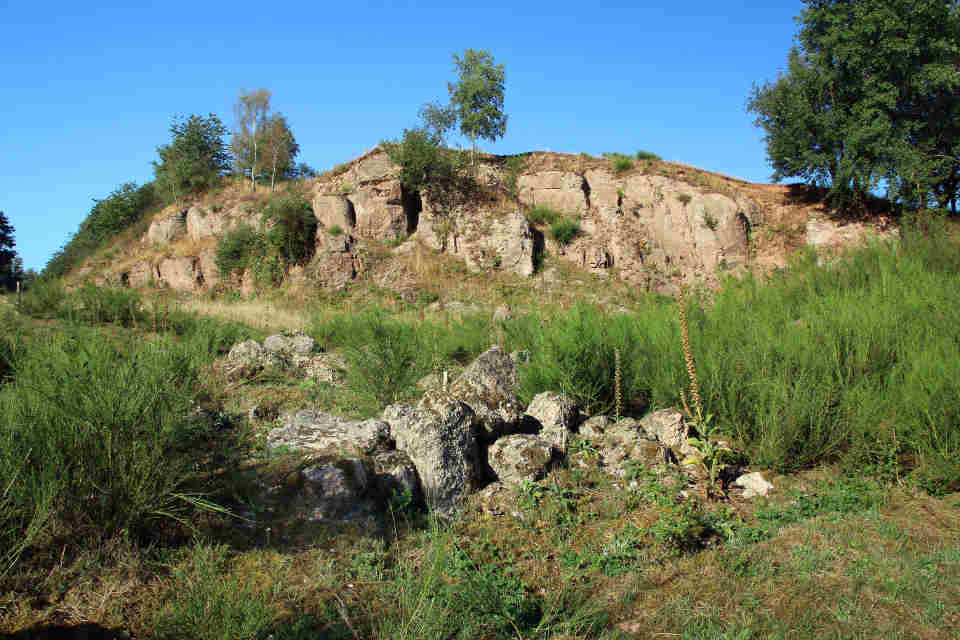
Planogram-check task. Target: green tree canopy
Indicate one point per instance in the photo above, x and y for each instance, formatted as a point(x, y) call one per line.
point(279, 149)
point(195, 158)
point(251, 111)
point(10, 264)
point(871, 94)
point(476, 98)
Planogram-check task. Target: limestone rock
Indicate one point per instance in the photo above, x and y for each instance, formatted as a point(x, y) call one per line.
point(556, 416)
point(396, 473)
point(521, 457)
point(333, 210)
point(505, 244)
point(202, 223)
point(595, 428)
point(290, 345)
point(248, 358)
point(322, 367)
point(488, 385)
point(312, 430)
point(169, 229)
point(439, 437)
point(562, 191)
point(753, 484)
point(182, 274)
point(666, 426)
point(624, 443)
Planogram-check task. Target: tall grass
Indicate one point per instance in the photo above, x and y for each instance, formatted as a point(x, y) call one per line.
point(102, 436)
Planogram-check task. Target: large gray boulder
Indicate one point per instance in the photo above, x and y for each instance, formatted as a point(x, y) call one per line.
point(624, 443)
point(554, 416)
point(439, 436)
point(668, 427)
point(290, 344)
point(487, 386)
point(317, 431)
point(521, 457)
point(248, 358)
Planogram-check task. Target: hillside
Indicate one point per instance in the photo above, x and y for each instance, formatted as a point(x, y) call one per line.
point(653, 225)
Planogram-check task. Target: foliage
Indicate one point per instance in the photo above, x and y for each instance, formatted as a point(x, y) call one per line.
point(124, 207)
point(247, 143)
point(107, 440)
point(620, 161)
point(279, 149)
point(870, 94)
point(7, 255)
point(648, 156)
point(335, 230)
point(291, 228)
point(425, 163)
point(515, 166)
point(194, 160)
point(543, 215)
point(236, 249)
point(565, 230)
point(477, 96)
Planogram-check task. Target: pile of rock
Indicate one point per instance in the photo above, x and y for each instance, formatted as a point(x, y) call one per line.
point(454, 442)
point(283, 351)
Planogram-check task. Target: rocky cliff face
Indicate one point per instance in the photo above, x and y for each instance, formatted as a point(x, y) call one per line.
point(656, 225)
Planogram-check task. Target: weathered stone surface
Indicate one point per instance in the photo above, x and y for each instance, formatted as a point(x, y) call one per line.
point(521, 457)
point(562, 191)
point(333, 490)
point(753, 484)
point(293, 344)
point(666, 426)
point(169, 229)
point(313, 430)
point(182, 274)
point(140, 274)
point(488, 386)
point(333, 210)
point(331, 270)
point(595, 428)
point(373, 166)
point(322, 367)
point(505, 244)
point(379, 212)
point(203, 223)
point(396, 473)
point(439, 436)
point(556, 416)
point(252, 356)
point(624, 443)
point(207, 267)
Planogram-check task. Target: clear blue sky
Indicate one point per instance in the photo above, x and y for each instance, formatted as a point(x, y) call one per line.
point(90, 87)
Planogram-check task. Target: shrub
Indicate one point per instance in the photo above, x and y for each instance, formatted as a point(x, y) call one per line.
point(346, 189)
point(236, 249)
point(107, 440)
point(543, 215)
point(423, 160)
point(684, 198)
point(44, 298)
point(292, 228)
point(565, 230)
point(515, 166)
point(649, 156)
point(335, 230)
point(93, 305)
point(621, 162)
point(709, 221)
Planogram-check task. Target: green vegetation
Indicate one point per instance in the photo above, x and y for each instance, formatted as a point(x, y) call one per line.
point(335, 230)
point(647, 156)
point(123, 208)
point(619, 161)
point(515, 166)
point(565, 230)
point(476, 99)
point(11, 266)
point(869, 95)
point(543, 215)
point(194, 160)
point(425, 163)
point(288, 239)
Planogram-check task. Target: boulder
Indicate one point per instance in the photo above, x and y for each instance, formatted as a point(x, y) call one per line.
point(439, 436)
point(753, 484)
point(521, 457)
point(322, 367)
point(290, 344)
point(554, 416)
point(327, 489)
point(395, 473)
point(487, 386)
point(248, 358)
point(668, 427)
point(317, 431)
point(595, 428)
point(624, 442)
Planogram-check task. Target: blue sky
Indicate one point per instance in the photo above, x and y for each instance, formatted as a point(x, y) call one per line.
point(90, 87)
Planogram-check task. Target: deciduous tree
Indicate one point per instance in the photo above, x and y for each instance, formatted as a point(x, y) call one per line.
point(195, 158)
point(251, 110)
point(477, 97)
point(871, 93)
point(279, 148)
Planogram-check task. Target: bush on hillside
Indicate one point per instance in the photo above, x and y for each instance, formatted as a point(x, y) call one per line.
point(236, 249)
point(565, 230)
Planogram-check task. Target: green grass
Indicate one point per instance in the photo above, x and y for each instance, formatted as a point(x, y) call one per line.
point(565, 230)
point(619, 161)
point(543, 215)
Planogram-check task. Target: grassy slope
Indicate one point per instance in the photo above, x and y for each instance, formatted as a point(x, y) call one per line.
point(833, 554)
